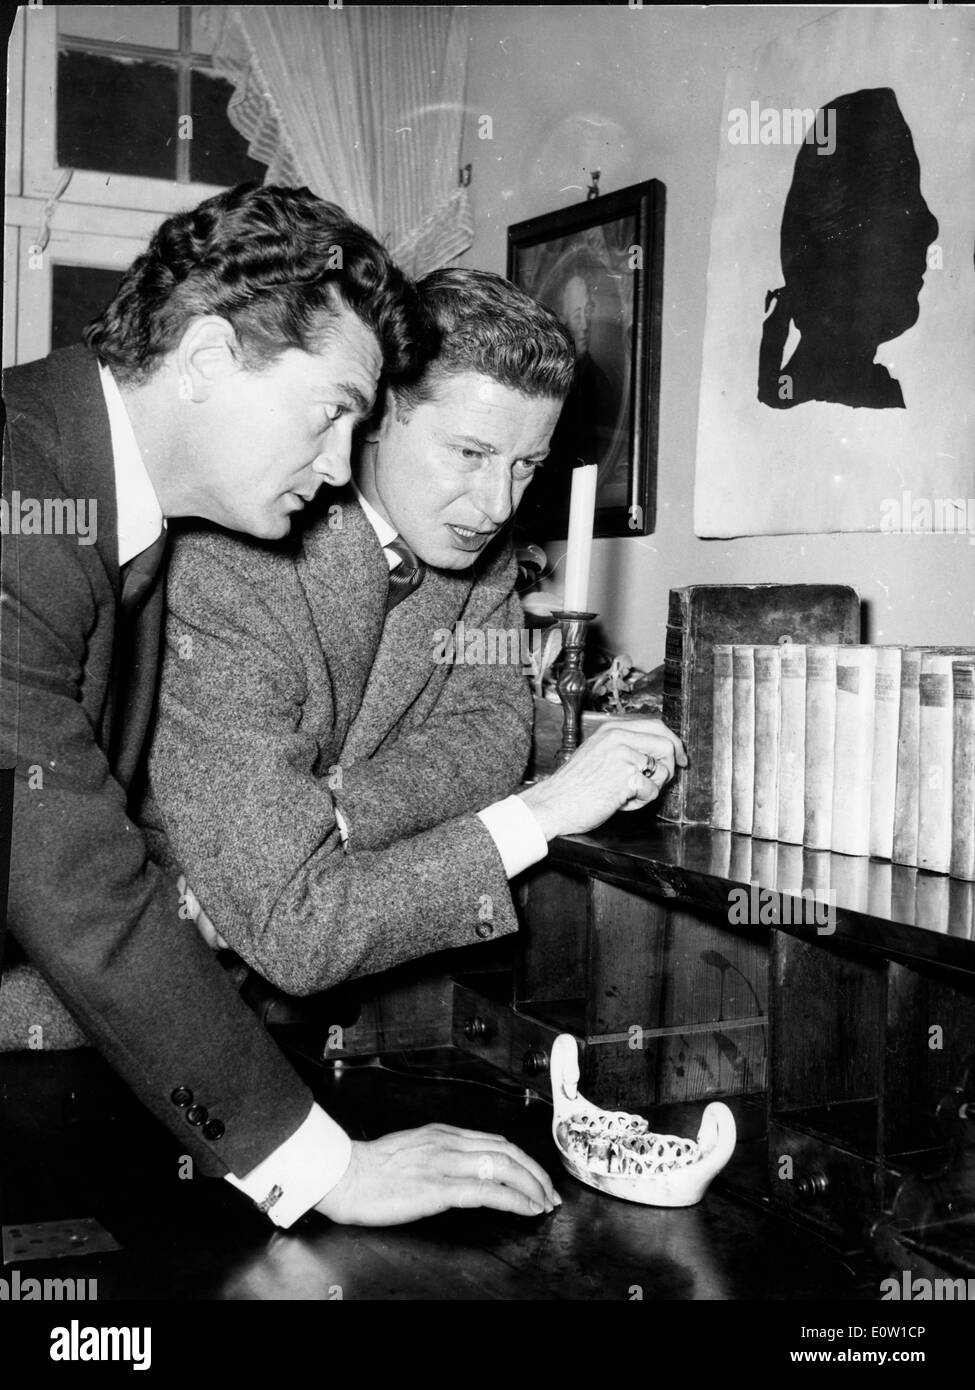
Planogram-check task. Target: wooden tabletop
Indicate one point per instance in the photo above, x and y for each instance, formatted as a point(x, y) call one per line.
point(77, 1145)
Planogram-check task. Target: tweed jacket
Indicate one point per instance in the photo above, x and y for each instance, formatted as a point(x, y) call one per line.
point(287, 693)
point(86, 904)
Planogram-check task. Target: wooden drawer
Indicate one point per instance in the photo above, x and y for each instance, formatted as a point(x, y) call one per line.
point(824, 1185)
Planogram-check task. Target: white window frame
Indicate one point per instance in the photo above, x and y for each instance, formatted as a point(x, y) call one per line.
point(101, 220)
point(41, 171)
point(36, 284)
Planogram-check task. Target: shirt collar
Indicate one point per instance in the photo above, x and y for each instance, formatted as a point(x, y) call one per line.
point(385, 533)
point(140, 517)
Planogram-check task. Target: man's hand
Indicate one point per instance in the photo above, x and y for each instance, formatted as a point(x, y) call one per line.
point(605, 775)
point(419, 1172)
point(198, 917)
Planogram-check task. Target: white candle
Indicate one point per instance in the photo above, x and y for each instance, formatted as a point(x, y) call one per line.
point(582, 510)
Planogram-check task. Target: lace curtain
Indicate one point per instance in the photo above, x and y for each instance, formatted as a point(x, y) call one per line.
point(363, 105)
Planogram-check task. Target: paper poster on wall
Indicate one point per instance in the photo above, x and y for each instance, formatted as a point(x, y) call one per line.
point(838, 380)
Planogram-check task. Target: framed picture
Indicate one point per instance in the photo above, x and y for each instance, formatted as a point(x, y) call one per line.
point(599, 267)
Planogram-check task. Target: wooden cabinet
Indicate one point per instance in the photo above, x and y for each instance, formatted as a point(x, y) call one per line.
point(850, 1031)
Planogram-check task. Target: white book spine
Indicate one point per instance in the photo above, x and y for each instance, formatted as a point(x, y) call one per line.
point(887, 692)
point(792, 743)
point(722, 738)
point(856, 673)
point(820, 745)
point(743, 740)
point(935, 763)
point(765, 819)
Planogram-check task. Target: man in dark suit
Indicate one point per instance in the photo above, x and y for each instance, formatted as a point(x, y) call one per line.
point(334, 772)
point(223, 381)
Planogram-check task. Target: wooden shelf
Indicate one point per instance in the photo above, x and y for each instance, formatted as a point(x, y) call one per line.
point(902, 913)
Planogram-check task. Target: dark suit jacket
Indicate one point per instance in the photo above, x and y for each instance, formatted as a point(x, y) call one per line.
point(284, 693)
point(86, 904)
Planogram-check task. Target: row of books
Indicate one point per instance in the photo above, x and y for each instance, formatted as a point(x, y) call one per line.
point(857, 749)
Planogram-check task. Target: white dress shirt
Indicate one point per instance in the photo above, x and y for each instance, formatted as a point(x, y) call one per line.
point(140, 517)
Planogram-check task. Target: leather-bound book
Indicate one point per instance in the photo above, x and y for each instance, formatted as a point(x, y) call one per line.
point(934, 763)
point(907, 792)
point(883, 778)
point(820, 748)
point(768, 670)
point(963, 770)
point(743, 739)
point(856, 678)
point(792, 744)
point(722, 737)
point(702, 615)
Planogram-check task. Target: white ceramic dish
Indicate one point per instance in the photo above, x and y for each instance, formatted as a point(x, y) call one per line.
point(676, 1172)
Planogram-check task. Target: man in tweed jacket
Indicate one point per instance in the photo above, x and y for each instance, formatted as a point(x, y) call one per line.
point(337, 796)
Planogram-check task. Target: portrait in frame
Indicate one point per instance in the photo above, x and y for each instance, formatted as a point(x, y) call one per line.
point(599, 267)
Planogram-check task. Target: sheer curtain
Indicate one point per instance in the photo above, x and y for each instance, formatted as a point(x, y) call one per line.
point(365, 106)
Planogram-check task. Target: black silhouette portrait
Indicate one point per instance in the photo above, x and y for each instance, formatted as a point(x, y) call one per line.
point(854, 240)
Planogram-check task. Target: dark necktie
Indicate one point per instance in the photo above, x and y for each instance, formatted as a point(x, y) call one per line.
point(406, 577)
point(139, 572)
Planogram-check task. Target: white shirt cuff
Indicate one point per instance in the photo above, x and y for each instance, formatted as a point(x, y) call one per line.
point(301, 1171)
point(515, 830)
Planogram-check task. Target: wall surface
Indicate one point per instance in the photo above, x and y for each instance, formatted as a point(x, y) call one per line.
point(638, 94)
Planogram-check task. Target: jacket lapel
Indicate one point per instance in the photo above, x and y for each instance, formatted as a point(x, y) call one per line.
point(344, 574)
point(378, 667)
point(87, 464)
point(405, 662)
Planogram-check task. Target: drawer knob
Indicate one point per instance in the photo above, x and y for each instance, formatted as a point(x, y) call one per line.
point(534, 1061)
point(477, 1030)
point(812, 1185)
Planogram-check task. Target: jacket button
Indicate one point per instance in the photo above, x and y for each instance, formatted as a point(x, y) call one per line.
point(484, 930)
point(214, 1130)
point(182, 1096)
point(197, 1115)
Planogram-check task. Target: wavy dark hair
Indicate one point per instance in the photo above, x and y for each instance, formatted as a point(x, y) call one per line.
point(482, 323)
point(278, 264)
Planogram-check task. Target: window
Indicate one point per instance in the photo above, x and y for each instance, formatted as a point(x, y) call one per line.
point(115, 120)
point(78, 294)
point(149, 81)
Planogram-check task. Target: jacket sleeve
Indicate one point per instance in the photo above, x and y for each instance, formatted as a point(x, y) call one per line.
point(91, 911)
point(470, 749)
point(236, 790)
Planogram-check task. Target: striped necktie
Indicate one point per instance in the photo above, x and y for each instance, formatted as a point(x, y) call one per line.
point(406, 577)
point(139, 572)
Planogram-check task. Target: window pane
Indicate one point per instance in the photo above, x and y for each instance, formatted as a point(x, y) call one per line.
point(117, 115)
point(78, 294)
point(218, 153)
point(203, 29)
point(156, 26)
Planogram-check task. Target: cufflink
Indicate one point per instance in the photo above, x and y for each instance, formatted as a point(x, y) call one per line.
point(275, 1194)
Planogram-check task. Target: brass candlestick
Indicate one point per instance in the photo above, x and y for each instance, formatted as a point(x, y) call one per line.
point(571, 684)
